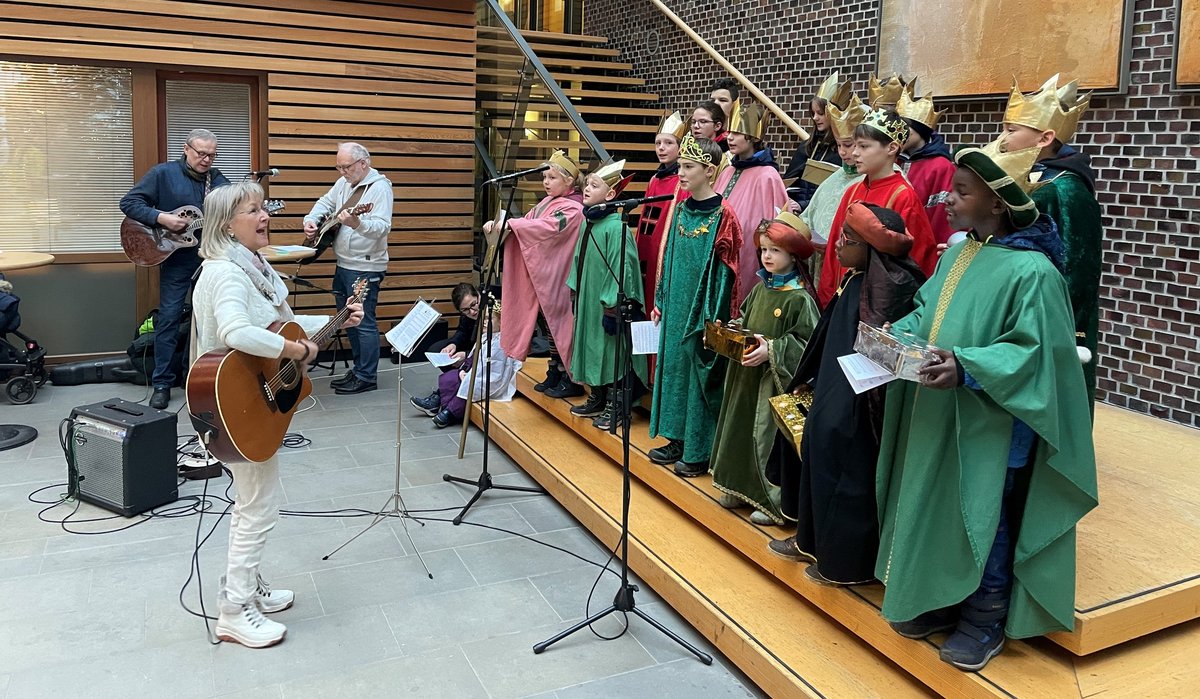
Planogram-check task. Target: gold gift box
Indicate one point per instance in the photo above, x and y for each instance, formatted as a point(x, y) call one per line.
point(728, 339)
point(900, 353)
point(790, 413)
point(817, 171)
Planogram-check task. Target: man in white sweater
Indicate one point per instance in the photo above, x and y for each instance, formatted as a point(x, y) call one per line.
point(361, 246)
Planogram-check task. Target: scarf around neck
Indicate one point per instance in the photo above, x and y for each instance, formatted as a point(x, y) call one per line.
point(262, 275)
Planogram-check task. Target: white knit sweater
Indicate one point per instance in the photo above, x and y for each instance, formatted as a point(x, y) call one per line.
point(229, 312)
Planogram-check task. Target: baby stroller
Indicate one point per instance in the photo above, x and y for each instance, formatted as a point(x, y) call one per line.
point(23, 365)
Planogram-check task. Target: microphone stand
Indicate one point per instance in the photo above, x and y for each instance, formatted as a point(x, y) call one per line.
point(624, 602)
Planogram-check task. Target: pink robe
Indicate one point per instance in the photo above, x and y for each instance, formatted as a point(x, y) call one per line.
point(759, 191)
point(537, 259)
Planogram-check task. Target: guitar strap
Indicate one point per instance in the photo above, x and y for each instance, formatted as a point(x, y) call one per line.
point(354, 198)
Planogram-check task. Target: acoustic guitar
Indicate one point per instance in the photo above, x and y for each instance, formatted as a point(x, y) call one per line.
point(148, 246)
point(327, 230)
point(241, 404)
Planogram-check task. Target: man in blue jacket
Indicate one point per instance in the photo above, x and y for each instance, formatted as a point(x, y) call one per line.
point(163, 189)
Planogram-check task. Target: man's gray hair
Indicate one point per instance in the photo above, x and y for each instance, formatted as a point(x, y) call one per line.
point(356, 151)
point(200, 135)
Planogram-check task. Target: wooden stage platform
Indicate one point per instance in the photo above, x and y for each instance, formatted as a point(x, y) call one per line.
point(1138, 588)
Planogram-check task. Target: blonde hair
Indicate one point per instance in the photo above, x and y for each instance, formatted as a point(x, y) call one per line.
point(220, 206)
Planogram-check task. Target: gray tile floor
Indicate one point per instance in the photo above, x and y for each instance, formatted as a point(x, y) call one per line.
point(99, 615)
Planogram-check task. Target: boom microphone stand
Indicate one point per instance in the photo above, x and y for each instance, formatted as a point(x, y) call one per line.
point(623, 366)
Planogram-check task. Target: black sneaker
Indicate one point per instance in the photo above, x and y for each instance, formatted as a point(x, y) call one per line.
point(553, 376)
point(444, 419)
point(691, 470)
point(355, 385)
point(979, 636)
point(594, 405)
point(814, 575)
point(604, 420)
point(428, 405)
point(927, 624)
point(566, 388)
point(667, 454)
point(161, 397)
point(788, 549)
point(345, 379)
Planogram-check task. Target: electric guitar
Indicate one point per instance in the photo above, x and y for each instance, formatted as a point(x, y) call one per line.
point(327, 230)
point(242, 404)
point(148, 246)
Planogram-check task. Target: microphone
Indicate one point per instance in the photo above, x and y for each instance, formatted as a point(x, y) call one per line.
point(273, 172)
point(514, 175)
point(629, 203)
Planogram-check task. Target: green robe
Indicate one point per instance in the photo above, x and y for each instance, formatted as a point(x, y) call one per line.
point(786, 317)
point(597, 260)
point(1067, 200)
point(944, 453)
point(695, 286)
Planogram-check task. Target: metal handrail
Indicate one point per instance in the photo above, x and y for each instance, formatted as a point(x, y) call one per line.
point(548, 82)
point(750, 87)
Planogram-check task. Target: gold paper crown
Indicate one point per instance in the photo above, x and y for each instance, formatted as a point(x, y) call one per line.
point(919, 110)
point(894, 129)
point(610, 172)
point(1041, 110)
point(689, 149)
point(749, 119)
point(1074, 106)
point(888, 92)
point(673, 124)
point(843, 122)
point(834, 92)
point(562, 160)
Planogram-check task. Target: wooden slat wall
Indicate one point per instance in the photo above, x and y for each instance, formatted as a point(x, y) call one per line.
point(397, 76)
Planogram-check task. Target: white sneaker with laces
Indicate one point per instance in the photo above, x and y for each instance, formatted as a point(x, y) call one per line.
point(245, 624)
point(270, 600)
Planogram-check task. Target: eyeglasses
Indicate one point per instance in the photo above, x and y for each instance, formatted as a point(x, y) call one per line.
point(846, 241)
point(470, 308)
point(203, 155)
point(346, 168)
point(703, 122)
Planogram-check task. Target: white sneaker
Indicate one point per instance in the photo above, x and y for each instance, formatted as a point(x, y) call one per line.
point(269, 600)
point(759, 517)
point(730, 502)
point(245, 624)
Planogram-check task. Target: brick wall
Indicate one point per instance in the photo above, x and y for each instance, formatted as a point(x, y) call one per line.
point(1143, 146)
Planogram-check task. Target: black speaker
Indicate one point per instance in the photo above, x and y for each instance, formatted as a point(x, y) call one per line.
point(123, 456)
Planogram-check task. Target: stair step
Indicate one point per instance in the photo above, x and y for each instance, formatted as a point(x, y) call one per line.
point(517, 59)
point(541, 94)
point(562, 78)
point(543, 49)
point(581, 108)
point(553, 37)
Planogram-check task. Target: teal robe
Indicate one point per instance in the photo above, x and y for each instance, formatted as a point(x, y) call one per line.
point(593, 279)
point(697, 284)
point(943, 457)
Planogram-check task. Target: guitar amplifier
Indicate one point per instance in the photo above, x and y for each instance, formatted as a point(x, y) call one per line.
point(123, 456)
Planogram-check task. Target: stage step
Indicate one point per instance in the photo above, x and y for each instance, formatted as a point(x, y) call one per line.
point(1027, 668)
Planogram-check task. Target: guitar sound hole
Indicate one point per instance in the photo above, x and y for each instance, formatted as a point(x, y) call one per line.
point(288, 393)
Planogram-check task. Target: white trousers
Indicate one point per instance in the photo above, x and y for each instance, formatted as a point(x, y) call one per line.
point(255, 512)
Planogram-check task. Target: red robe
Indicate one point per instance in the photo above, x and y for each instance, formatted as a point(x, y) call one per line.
point(653, 222)
point(891, 192)
point(537, 259)
point(931, 178)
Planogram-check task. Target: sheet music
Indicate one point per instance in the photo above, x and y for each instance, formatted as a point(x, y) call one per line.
point(645, 337)
point(862, 373)
point(440, 359)
point(406, 335)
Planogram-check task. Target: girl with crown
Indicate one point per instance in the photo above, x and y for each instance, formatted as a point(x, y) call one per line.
point(752, 187)
point(821, 145)
point(781, 311)
point(698, 270)
point(537, 259)
point(877, 143)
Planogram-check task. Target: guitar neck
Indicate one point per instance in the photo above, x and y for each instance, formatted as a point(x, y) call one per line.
point(326, 332)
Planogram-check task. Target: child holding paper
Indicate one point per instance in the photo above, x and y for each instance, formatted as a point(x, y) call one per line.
point(828, 489)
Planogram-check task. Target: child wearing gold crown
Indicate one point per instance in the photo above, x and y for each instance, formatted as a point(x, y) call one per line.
point(751, 187)
point(781, 311)
point(877, 143)
point(595, 286)
point(655, 216)
point(697, 276)
point(1066, 191)
point(821, 144)
point(987, 463)
point(537, 259)
point(930, 167)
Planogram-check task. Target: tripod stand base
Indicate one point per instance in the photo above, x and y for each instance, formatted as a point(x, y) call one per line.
point(623, 602)
point(483, 484)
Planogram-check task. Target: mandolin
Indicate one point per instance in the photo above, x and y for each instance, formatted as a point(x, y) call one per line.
point(327, 230)
point(147, 246)
point(242, 404)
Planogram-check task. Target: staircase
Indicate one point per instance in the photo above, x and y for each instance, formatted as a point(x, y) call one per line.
point(616, 108)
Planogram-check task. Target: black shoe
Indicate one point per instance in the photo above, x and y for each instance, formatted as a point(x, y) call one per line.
point(594, 405)
point(692, 470)
point(553, 376)
point(788, 549)
point(566, 388)
point(428, 405)
point(667, 454)
point(161, 397)
point(345, 379)
point(604, 420)
point(927, 624)
point(355, 385)
point(814, 575)
point(444, 419)
point(979, 636)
